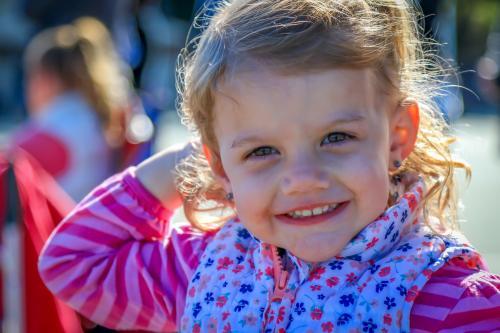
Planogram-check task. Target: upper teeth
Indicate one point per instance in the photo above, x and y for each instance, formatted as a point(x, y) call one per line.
point(312, 212)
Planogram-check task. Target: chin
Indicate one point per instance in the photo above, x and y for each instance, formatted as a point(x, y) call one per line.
point(319, 248)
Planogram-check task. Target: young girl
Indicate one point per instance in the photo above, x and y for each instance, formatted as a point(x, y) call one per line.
point(318, 131)
point(77, 94)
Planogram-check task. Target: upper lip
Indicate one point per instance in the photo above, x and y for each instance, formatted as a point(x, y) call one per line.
point(308, 207)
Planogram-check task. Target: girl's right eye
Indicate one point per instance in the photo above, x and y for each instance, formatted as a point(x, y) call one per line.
point(262, 152)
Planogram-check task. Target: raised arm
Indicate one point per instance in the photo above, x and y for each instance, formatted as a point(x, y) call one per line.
point(115, 258)
point(157, 174)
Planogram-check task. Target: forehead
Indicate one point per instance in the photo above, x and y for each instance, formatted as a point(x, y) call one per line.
point(258, 92)
point(266, 106)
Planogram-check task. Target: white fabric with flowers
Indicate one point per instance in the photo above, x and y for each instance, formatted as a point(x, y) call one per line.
point(370, 287)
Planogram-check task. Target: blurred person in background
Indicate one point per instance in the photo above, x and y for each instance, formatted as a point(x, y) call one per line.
point(77, 96)
point(85, 123)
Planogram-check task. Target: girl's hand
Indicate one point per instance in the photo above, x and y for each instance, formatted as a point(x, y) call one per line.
point(157, 174)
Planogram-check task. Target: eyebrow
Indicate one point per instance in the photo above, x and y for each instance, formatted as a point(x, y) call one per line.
point(344, 119)
point(238, 142)
point(347, 118)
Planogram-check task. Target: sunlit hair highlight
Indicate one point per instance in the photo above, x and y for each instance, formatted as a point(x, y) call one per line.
point(299, 36)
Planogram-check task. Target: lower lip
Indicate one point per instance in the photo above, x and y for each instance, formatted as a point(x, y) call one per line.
point(310, 220)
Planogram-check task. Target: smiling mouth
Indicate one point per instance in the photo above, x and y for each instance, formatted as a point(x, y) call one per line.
point(298, 214)
point(313, 216)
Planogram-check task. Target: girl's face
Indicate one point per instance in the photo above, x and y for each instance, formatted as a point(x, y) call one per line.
point(306, 156)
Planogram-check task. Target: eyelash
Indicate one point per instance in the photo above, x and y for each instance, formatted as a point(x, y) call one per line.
point(333, 134)
point(264, 151)
point(260, 152)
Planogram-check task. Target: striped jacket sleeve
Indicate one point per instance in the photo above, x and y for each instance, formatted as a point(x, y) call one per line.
point(116, 260)
point(458, 299)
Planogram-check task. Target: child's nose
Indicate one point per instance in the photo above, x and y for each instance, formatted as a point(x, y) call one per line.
point(303, 177)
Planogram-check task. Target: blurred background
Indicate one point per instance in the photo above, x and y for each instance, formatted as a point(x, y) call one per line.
point(116, 73)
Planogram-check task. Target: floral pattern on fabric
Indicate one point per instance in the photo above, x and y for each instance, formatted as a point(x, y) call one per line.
point(369, 287)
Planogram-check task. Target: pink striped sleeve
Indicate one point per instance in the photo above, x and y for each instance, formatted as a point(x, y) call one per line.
point(114, 259)
point(458, 299)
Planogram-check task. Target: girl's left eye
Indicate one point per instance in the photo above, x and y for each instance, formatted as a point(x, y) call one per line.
point(336, 137)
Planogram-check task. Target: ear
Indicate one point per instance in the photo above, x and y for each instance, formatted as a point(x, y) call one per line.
point(215, 162)
point(404, 129)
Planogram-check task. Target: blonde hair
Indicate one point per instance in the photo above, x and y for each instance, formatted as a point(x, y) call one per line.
point(82, 56)
point(294, 36)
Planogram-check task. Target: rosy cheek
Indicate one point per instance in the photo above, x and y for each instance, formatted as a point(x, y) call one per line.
point(252, 193)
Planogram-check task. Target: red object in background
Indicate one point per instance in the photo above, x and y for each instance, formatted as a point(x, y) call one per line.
point(47, 149)
point(42, 205)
